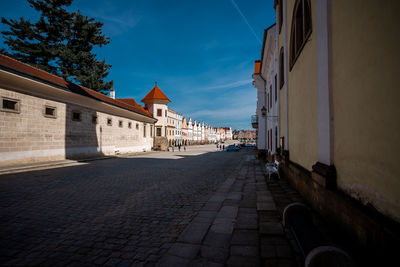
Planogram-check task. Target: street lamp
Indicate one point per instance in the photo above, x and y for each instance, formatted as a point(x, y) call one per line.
point(263, 111)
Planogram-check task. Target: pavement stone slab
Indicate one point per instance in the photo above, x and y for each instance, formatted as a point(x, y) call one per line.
point(279, 263)
point(219, 240)
point(266, 206)
point(184, 250)
point(172, 261)
point(219, 255)
point(194, 233)
point(207, 214)
point(247, 221)
point(241, 261)
point(271, 228)
point(245, 237)
point(227, 212)
point(212, 206)
point(245, 251)
point(201, 262)
point(223, 226)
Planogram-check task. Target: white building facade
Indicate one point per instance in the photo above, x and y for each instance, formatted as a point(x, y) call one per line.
point(266, 81)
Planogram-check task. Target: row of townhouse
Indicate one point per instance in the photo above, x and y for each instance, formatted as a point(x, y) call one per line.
point(328, 110)
point(45, 118)
point(172, 129)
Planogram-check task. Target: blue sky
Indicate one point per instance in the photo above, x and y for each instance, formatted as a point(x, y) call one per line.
point(201, 52)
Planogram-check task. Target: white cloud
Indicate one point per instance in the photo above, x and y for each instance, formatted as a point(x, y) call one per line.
point(229, 85)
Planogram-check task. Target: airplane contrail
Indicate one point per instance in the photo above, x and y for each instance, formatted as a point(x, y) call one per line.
point(245, 20)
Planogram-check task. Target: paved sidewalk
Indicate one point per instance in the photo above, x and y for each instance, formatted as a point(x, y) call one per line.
point(238, 226)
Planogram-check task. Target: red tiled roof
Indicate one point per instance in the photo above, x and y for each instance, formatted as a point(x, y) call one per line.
point(155, 93)
point(132, 102)
point(35, 73)
point(129, 101)
point(257, 65)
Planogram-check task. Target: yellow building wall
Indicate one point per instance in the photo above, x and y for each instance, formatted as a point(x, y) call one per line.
point(303, 107)
point(282, 113)
point(366, 93)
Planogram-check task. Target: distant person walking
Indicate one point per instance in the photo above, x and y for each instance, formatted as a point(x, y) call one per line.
point(179, 147)
point(223, 147)
point(184, 148)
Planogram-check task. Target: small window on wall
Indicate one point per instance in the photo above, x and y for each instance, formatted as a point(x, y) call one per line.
point(276, 91)
point(158, 131)
point(76, 116)
point(129, 125)
point(166, 113)
point(120, 124)
point(270, 96)
point(50, 112)
point(280, 15)
point(281, 68)
point(109, 121)
point(159, 112)
point(94, 119)
point(10, 105)
point(301, 29)
point(144, 129)
point(151, 130)
point(137, 126)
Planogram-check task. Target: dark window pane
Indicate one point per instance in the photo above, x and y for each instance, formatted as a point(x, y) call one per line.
point(50, 111)
point(307, 19)
point(76, 116)
point(299, 27)
point(10, 104)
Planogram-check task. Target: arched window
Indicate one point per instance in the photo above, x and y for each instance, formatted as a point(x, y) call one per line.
point(301, 29)
point(281, 69)
point(280, 15)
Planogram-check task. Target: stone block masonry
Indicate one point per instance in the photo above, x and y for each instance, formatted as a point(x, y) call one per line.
point(29, 135)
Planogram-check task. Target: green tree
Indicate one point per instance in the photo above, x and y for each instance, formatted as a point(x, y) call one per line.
point(60, 42)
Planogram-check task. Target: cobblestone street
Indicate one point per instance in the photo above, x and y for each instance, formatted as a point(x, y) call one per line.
point(114, 211)
point(201, 207)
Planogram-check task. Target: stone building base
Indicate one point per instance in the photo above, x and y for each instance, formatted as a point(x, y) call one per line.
point(160, 143)
point(373, 231)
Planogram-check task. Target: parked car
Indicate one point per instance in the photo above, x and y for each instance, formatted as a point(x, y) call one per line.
point(232, 148)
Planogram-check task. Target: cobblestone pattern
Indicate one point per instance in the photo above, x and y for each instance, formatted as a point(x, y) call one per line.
point(239, 226)
point(112, 212)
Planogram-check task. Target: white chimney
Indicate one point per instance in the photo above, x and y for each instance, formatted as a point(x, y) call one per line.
point(112, 93)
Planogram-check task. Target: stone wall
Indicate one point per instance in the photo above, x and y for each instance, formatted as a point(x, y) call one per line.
point(29, 136)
